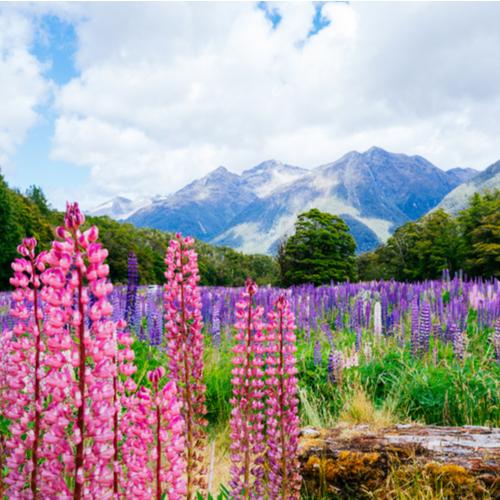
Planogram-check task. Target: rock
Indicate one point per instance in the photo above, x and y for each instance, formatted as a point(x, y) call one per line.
point(457, 462)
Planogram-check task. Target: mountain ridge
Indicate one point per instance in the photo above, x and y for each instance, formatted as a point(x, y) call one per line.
point(457, 199)
point(375, 191)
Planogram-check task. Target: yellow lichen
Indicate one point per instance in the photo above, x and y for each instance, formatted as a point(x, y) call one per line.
point(450, 473)
point(350, 470)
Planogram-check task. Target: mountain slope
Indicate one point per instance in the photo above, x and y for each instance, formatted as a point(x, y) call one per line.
point(271, 175)
point(374, 191)
point(119, 208)
point(201, 209)
point(457, 199)
point(205, 207)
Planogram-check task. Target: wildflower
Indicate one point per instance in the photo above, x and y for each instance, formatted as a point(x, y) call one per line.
point(184, 325)
point(247, 416)
point(377, 320)
point(132, 284)
point(282, 404)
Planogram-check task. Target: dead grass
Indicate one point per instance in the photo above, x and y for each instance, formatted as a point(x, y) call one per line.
point(218, 459)
point(359, 409)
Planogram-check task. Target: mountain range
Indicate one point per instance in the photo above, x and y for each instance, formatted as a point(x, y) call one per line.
point(374, 192)
point(457, 199)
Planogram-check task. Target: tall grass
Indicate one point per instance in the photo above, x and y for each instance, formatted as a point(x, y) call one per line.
point(392, 382)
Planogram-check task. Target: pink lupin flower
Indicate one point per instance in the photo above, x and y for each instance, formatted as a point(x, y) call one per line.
point(282, 421)
point(137, 430)
point(122, 385)
point(185, 349)
point(153, 429)
point(247, 427)
point(82, 344)
point(22, 373)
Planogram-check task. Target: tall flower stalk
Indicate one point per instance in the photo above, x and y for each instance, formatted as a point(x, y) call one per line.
point(247, 425)
point(185, 350)
point(282, 422)
point(23, 369)
point(167, 412)
point(66, 387)
point(152, 453)
point(132, 284)
point(78, 271)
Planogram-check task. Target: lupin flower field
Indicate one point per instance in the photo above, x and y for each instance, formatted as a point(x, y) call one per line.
point(181, 391)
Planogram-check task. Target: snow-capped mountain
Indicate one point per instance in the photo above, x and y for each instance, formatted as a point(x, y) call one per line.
point(374, 192)
point(457, 199)
point(120, 207)
point(202, 209)
point(270, 175)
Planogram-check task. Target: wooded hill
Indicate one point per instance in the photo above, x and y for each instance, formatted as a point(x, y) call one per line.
point(29, 214)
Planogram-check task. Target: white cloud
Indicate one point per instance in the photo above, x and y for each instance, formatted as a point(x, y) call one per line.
point(22, 87)
point(168, 91)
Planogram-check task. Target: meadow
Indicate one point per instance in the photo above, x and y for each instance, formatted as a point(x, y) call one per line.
point(376, 352)
point(425, 352)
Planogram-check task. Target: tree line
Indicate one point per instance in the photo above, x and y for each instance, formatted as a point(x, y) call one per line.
point(29, 214)
point(469, 241)
point(321, 249)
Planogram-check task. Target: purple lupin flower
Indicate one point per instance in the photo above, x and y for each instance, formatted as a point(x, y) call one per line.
point(359, 338)
point(335, 367)
point(154, 320)
point(424, 328)
point(325, 327)
point(318, 355)
point(458, 341)
point(339, 323)
point(132, 284)
point(414, 329)
point(216, 329)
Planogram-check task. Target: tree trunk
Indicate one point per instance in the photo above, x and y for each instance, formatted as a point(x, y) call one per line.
point(347, 462)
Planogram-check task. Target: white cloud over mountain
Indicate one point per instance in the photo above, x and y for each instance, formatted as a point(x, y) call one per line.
point(168, 91)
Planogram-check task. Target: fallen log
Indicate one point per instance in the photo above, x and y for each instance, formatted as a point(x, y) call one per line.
point(399, 461)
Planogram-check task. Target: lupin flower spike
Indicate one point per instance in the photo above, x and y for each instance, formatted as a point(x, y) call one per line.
point(183, 321)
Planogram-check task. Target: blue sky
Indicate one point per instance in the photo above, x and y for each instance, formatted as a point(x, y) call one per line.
point(133, 99)
point(54, 45)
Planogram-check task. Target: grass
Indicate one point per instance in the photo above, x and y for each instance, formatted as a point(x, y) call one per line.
point(359, 409)
point(432, 482)
point(388, 386)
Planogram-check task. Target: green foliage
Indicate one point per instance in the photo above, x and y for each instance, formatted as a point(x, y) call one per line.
point(37, 196)
point(20, 216)
point(445, 394)
point(320, 251)
point(217, 375)
point(30, 215)
point(423, 249)
point(441, 391)
point(480, 224)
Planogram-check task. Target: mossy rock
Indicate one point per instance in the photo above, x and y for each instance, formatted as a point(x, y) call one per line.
point(362, 463)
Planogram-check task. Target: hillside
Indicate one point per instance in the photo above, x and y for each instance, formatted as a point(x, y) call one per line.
point(29, 215)
point(457, 199)
point(375, 192)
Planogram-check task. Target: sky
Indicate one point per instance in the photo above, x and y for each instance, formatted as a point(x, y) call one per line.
point(138, 99)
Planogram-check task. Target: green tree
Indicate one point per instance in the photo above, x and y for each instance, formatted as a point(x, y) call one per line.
point(37, 196)
point(422, 249)
point(416, 251)
point(9, 234)
point(321, 250)
point(480, 227)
